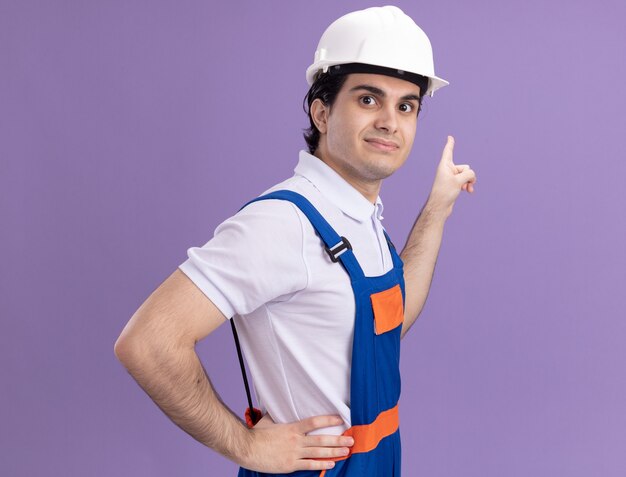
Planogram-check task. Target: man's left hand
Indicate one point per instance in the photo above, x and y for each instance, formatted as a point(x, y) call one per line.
point(450, 180)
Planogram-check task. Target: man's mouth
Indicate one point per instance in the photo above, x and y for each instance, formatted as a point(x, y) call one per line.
point(382, 144)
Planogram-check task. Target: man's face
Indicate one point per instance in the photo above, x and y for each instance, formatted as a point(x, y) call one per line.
point(369, 129)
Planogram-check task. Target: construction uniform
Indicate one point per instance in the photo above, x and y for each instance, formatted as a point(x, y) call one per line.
point(366, 355)
point(375, 373)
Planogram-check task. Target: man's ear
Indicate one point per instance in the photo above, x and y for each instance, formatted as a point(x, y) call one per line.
point(319, 114)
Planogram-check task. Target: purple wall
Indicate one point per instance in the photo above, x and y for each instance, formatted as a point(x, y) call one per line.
point(129, 130)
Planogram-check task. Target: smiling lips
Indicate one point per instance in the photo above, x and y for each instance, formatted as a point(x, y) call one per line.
point(382, 144)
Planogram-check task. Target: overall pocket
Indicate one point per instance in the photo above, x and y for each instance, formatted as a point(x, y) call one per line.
point(388, 309)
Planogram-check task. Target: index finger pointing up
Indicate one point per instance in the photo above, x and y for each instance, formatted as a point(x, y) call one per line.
point(448, 150)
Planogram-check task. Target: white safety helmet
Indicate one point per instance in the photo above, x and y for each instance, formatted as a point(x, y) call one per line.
point(381, 37)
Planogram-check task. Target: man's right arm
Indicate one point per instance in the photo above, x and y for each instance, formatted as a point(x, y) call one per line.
point(157, 347)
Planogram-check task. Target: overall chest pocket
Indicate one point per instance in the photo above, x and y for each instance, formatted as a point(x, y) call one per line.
point(388, 309)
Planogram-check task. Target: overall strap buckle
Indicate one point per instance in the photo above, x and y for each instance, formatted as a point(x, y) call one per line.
point(335, 251)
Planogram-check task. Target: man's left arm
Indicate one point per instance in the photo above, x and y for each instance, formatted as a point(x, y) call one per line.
point(422, 247)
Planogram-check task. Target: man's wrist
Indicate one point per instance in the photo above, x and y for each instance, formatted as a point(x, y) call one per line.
point(236, 444)
point(242, 452)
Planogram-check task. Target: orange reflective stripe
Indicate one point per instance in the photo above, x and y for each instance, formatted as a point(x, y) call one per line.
point(367, 436)
point(388, 309)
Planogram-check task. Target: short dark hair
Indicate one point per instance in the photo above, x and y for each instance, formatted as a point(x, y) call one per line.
point(326, 87)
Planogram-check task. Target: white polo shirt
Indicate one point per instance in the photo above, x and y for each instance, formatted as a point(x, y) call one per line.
point(294, 308)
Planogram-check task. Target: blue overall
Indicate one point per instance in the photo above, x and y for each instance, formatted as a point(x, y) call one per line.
point(375, 373)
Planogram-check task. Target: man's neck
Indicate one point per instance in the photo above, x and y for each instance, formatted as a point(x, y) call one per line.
point(368, 189)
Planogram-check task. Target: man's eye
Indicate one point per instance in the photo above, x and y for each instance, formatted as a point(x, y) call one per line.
point(367, 100)
point(406, 107)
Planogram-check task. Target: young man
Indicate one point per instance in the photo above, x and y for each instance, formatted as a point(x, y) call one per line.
point(319, 294)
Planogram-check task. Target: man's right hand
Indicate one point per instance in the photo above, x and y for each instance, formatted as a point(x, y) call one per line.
point(284, 448)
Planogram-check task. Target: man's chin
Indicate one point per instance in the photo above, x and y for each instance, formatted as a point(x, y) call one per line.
point(382, 170)
point(381, 173)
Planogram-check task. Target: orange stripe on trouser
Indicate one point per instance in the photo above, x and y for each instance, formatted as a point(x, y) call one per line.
point(366, 437)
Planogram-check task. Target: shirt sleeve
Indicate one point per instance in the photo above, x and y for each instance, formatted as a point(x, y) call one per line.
point(255, 257)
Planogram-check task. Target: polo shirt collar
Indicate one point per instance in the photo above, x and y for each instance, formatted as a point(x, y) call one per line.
point(336, 189)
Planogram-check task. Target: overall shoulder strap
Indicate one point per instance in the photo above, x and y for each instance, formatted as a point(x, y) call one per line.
point(338, 248)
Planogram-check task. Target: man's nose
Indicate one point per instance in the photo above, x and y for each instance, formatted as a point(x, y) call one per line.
point(387, 119)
